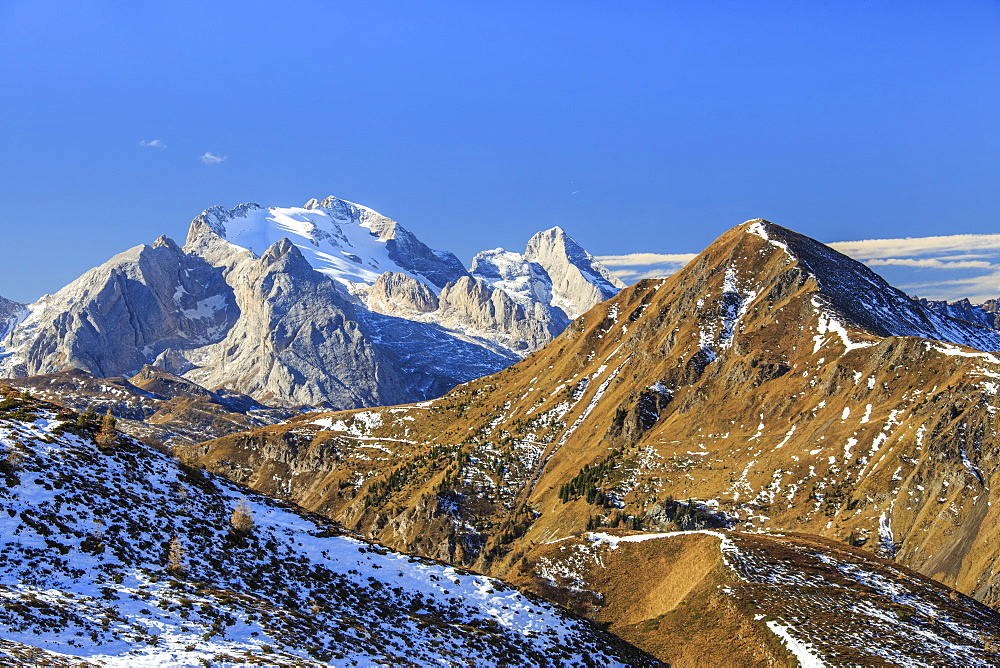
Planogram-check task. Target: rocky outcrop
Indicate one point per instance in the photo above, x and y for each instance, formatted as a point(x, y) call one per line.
point(578, 280)
point(474, 307)
point(554, 270)
point(123, 314)
point(400, 295)
point(297, 339)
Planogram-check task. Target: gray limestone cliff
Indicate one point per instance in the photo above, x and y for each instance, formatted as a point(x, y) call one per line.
point(578, 280)
point(330, 304)
point(471, 305)
point(11, 313)
point(397, 294)
point(120, 315)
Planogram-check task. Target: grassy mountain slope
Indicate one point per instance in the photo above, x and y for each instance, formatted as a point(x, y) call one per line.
point(772, 383)
point(757, 599)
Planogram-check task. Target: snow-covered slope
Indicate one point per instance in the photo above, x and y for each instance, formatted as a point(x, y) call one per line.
point(345, 241)
point(117, 555)
point(326, 304)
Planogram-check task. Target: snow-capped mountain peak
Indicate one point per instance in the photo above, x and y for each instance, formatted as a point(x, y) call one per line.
point(554, 269)
point(350, 243)
point(328, 303)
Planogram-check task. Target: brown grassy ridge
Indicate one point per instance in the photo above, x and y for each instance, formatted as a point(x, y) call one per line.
point(784, 425)
point(689, 603)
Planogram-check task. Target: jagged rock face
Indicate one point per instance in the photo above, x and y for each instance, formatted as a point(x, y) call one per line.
point(126, 312)
point(774, 383)
point(522, 280)
point(271, 327)
point(11, 313)
point(471, 305)
point(578, 280)
point(115, 554)
point(297, 338)
point(554, 270)
point(986, 313)
point(400, 295)
point(329, 304)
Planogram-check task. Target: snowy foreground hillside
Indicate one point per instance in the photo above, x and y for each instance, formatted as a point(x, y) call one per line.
point(114, 554)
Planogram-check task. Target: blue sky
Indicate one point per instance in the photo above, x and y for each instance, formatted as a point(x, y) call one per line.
point(637, 126)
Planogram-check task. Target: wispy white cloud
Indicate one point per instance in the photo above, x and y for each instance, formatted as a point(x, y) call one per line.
point(152, 143)
point(976, 257)
point(633, 267)
point(931, 263)
point(968, 256)
point(630, 276)
point(976, 289)
point(210, 158)
point(638, 259)
point(870, 249)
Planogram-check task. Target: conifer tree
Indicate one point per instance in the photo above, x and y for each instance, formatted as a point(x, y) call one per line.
point(241, 519)
point(106, 434)
point(175, 555)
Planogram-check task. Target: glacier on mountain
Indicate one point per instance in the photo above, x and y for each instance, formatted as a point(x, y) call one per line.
point(330, 304)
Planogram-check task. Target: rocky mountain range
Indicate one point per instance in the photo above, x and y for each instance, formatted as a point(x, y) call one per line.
point(329, 304)
point(772, 385)
point(795, 457)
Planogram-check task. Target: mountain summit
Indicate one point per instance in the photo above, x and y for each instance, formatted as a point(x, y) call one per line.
point(348, 242)
point(329, 304)
point(553, 269)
